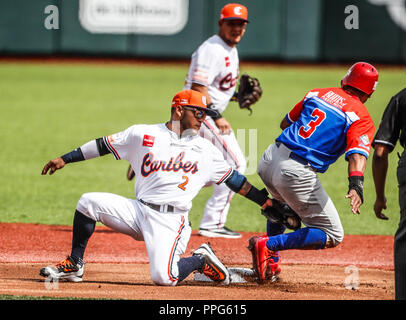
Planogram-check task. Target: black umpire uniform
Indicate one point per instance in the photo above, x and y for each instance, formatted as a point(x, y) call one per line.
point(393, 128)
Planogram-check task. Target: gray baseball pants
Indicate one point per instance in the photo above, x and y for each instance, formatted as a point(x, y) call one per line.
point(298, 185)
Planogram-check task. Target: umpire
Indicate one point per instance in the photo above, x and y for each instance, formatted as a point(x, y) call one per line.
point(392, 128)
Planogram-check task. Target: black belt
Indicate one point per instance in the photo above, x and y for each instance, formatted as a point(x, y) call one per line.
point(160, 208)
point(299, 159)
point(295, 157)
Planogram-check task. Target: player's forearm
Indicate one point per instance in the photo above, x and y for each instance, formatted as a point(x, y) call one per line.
point(239, 184)
point(356, 163)
point(356, 168)
point(89, 150)
point(203, 89)
point(284, 124)
point(379, 171)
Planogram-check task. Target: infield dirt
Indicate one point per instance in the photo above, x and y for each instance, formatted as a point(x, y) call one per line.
point(361, 268)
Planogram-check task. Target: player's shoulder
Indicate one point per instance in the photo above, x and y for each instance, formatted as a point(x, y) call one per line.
point(401, 95)
point(207, 147)
point(146, 129)
point(214, 44)
point(402, 92)
point(322, 91)
point(202, 142)
point(336, 97)
point(316, 92)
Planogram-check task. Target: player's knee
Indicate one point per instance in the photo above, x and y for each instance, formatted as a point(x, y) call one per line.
point(85, 206)
point(162, 280)
point(333, 240)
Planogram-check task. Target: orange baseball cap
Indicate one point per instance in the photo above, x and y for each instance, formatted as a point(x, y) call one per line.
point(194, 99)
point(234, 11)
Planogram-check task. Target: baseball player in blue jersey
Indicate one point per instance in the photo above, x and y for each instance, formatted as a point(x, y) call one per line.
point(325, 124)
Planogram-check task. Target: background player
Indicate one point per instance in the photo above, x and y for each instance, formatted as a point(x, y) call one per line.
point(391, 129)
point(214, 71)
point(172, 163)
point(316, 132)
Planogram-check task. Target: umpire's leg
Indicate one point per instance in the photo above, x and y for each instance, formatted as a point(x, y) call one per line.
point(400, 236)
point(400, 259)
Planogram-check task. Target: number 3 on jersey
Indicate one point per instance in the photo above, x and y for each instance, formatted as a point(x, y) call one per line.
point(306, 131)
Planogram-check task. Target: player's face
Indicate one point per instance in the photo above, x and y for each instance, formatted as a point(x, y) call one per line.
point(192, 118)
point(232, 31)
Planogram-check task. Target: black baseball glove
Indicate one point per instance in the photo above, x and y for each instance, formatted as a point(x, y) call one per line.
point(282, 213)
point(130, 173)
point(249, 91)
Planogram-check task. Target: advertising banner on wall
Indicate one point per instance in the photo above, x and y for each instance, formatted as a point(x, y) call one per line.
point(396, 10)
point(155, 17)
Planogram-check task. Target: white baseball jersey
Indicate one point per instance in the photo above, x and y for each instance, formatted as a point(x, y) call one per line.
point(215, 65)
point(168, 169)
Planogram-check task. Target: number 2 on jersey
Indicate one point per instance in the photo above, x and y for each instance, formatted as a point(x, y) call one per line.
point(306, 131)
point(184, 183)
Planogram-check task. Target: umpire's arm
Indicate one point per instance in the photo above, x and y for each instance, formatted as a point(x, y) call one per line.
point(379, 171)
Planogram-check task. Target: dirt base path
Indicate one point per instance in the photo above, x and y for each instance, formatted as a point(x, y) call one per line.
point(361, 268)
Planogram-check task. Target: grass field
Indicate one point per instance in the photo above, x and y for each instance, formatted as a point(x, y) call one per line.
point(47, 110)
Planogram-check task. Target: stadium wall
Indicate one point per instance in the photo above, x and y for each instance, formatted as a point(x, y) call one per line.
point(281, 30)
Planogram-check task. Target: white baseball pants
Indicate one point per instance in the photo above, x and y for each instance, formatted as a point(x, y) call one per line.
point(166, 235)
point(217, 207)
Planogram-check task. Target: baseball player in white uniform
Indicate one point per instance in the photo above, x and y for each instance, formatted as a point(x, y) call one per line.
point(214, 71)
point(171, 163)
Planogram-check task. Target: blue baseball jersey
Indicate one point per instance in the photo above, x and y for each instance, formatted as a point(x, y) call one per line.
point(326, 124)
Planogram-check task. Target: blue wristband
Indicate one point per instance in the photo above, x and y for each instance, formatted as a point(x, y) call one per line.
point(73, 156)
point(235, 181)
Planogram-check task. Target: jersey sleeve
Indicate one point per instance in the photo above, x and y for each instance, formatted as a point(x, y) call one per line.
point(359, 135)
point(204, 66)
point(220, 169)
point(120, 143)
point(389, 128)
point(294, 114)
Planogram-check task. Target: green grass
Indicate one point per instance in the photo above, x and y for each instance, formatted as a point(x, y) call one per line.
point(47, 110)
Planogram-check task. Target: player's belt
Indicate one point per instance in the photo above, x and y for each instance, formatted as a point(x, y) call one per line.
point(165, 208)
point(296, 157)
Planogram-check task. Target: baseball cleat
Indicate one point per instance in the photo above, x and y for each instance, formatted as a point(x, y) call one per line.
point(223, 232)
point(272, 269)
point(65, 270)
point(265, 262)
point(213, 268)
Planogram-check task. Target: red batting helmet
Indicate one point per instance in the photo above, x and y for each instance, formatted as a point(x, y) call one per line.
point(362, 76)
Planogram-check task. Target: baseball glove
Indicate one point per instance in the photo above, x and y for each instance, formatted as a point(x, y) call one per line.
point(130, 173)
point(282, 213)
point(249, 91)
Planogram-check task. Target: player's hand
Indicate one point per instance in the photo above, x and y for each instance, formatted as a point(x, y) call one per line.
point(223, 125)
point(355, 201)
point(53, 165)
point(379, 205)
